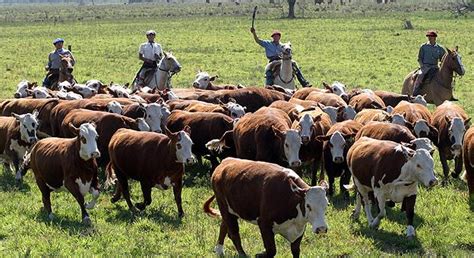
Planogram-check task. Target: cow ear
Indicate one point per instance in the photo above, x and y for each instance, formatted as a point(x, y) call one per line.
point(408, 153)
point(321, 106)
point(327, 86)
point(447, 119)
point(456, 48)
point(35, 113)
point(187, 130)
point(317, 118)
point(73, 129)
point(408, 145)
point(324, 185)
point(93, 124)
point(296, 189)
point(160, 101)
point(169, 133)
point(389, 109)
point(277, 132)
point(32, 85)
point(16, 116)
point(467, 123)
point(213, 78)
point(30, 92)
point(232, 100)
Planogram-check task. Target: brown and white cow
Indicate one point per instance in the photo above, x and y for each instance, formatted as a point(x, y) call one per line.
point(154, 159)
point(69, 163)
point(204, 81)
point(22, 89)
point(368, 115)
point(337, 141)
point(468, 156)
point(17, 135)
point(282, 203)
point(420, 117)
point(327, 99)
point(390, 171)
point(452, 122)
point(266, 135)
point(291, 109)
point(106, 125)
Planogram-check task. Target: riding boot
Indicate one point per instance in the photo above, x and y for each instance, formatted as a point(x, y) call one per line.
point(269, 77)
point(417, 86)
point(299, 76)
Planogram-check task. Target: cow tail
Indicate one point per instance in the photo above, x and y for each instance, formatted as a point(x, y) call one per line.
point(111, 177)
point(25, 165)
point(215, 145)
point(464, 176)
point(350, 187)
point(210, 211)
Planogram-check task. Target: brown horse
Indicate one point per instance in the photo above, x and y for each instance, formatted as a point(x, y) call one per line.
point(440, 87)
point(65, 71)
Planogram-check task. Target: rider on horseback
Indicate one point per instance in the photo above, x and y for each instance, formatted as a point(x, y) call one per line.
point(428, 57)
point(150, 53)
point(273, 49)
point(54, 62)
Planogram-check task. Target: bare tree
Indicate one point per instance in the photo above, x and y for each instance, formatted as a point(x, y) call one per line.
point(291, 9)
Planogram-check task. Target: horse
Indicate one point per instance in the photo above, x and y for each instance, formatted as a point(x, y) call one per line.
point(440, 87)
point(284, 73)
point(65, 72)
point(160, 78)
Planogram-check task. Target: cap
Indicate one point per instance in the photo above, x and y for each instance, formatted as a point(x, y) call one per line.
point(431, 33)
point(151, 32)
point(57, 41)
point(276, 32)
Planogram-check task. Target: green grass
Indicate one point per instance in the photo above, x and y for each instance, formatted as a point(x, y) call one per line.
point(361, 50)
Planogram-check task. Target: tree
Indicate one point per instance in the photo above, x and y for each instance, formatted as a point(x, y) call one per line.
point(291, 9)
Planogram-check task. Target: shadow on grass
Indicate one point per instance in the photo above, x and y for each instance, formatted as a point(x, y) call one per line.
point(471, 203)
point(9, 184)
point(158, 215)
point(197, 175)
point(341, 202)
point(73, 227)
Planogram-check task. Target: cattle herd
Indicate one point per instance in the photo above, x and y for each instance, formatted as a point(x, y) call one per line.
point(259, 142)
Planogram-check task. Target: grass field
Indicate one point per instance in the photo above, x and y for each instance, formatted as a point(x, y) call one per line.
point(364, 50)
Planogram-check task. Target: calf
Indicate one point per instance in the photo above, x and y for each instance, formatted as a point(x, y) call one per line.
point(366, 100)
point(22, 89)
point(266, 135)
point(107, 124)
point(17, 135)
point(391, 172)
point(153, 159)
point(58, 162)
point(451, 121)
point(391, 98)
point(204, 81)
point(337, 141)
point(282, 203)
point(468, 156)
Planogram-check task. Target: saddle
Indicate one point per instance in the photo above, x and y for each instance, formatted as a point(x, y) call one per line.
point(274, 66)
point(428, 76)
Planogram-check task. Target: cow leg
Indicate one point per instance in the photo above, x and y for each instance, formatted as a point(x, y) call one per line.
point(357, 208)
point(367, 207)
point(331, 184)
point(233, 232)
point(94, 191)
point(46, 196)
point(146, 190)
point(73, 188)
point(314, 171)
point(126, 193)
point(219, 249)
point(381, 204)
point(266, 230)
point(444, 163)
point(295, 247)
point(457, 166)
point(410, 213)
point(344, 180)
point(178, 186)
point(117, 194)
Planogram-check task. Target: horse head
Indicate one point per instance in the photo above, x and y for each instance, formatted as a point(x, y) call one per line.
point(286, 51)
point(454, 61)
point(169, 63)
point(66, 63)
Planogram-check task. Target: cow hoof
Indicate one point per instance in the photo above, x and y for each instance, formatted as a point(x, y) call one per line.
point(444, 182)
point(180, 214)
point(50, 216)
point(141, 206)
point(264, 254)
point(374, 224)
point(114, 199)
point(355, 215)
point(86, 221)
point(390, 204)
point(455, 175)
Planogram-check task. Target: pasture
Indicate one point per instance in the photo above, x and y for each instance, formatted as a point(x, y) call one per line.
point(362, 50)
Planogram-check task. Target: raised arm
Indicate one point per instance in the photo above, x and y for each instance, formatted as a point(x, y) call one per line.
point(255, 37)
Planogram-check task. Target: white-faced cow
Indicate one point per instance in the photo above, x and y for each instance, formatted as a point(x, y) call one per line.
point(391, 172)
point(281, 203)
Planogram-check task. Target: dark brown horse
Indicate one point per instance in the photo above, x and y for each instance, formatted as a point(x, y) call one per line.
point(440, 87)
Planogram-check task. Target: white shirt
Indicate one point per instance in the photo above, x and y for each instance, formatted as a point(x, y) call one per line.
point(148, 50)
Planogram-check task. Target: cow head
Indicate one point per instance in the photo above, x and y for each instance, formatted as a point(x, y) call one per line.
point(316, 203)
point(87, 136)
point(419, 166)
point(398, 119)
point(291, 145)
point(420, 99)
point(153, 116)
point(203, 80)
point(28, 126)
point(84, 90)
point(114, 107)
point(142, 125)
point(331, 111)
point(96, 85)
point(39, 93)
point(457, 128)
point(165, 112)
point(420, 143)
point(235, 110)
point(337, 143)
point(346, 113)
point(22, 87)
point(306, 126)
point(337, 88)
point(182, 143)
point(119, 91)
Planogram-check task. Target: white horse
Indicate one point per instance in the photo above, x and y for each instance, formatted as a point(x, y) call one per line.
point(284, 76)
point(161, 77)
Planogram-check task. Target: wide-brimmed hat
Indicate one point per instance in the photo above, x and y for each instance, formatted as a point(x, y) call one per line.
point(151, 32)
point(276, 32)
point(57, 41)
point(431, 33)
